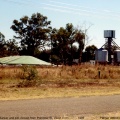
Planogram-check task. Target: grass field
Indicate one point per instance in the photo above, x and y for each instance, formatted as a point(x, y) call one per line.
point(66, 81)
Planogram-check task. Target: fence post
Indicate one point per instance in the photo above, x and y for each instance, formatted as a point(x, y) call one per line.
point(99, 74)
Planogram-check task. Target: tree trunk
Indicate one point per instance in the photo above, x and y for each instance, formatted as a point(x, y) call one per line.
point(80, 56)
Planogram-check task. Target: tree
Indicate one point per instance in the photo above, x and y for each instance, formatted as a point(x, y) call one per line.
point(62, 43)
point(34, 32)
point(90, 52)
point(9, 47)
point(12, 47)
point(2, 45)
point(44, 55)
point(2, 37)
point(79, 38)
point(62, 40)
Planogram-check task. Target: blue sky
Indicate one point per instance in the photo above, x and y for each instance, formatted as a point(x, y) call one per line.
point(100, 15)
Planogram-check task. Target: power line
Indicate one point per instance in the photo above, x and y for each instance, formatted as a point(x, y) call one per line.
point(85, 9)
point(57, 7)
point(79, 6)
point(68, 8)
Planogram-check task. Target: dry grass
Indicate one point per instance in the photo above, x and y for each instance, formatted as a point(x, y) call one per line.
point(66, 72)
point(66, 81)
point(31, 93)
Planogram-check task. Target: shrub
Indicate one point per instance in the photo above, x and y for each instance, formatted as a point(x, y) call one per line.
point(29, 73)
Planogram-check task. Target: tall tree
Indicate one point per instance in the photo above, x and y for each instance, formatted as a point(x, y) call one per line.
point(33, 32)
point(62, 42)
point(79, 38)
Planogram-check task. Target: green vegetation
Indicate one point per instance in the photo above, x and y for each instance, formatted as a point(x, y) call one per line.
point(29, 73)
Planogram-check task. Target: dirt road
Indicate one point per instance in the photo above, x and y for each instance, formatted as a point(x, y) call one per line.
point(51, 107)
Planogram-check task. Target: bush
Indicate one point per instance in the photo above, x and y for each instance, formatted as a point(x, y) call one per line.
point(29, 73)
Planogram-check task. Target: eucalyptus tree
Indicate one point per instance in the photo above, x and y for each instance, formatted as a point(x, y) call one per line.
point(62, 40)
point(79, 38)
point(33, 32)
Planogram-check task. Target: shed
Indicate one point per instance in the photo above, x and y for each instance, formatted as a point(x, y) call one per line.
point(22, 60)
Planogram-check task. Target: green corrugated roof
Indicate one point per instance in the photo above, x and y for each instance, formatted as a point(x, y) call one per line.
point(26, 60)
